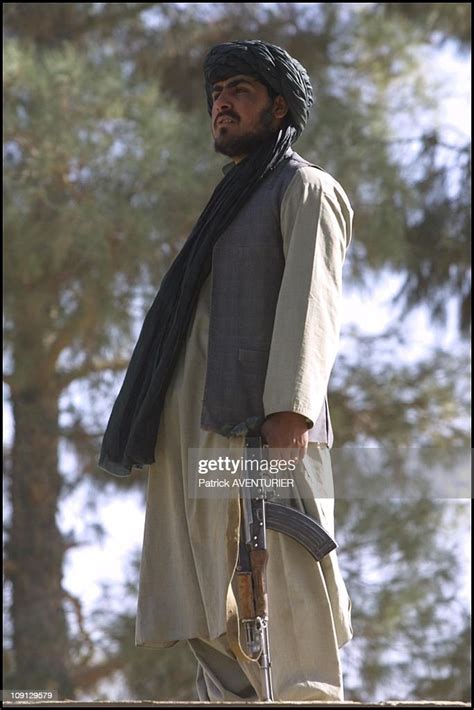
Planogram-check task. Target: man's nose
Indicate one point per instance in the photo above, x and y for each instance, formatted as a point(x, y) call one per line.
point(222, 102)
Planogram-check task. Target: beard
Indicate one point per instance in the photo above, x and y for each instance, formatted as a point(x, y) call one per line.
point(227, 144)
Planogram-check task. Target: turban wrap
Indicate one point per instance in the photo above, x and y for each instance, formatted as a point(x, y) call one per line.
point(271, 65)
point(130, 436)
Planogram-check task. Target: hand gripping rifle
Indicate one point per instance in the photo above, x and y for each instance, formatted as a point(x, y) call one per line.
point(258, 515)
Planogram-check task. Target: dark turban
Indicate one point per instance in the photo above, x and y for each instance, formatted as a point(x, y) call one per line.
point(131, 433)
point(271, 65)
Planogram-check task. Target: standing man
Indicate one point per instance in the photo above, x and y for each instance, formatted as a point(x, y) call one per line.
point(241, 340)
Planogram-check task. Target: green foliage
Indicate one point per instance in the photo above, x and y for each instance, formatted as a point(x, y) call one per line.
point(108, 163)
point(378, 400)
point(402, 562)
point(94, 195)
point(366, 71)
point(438, 235)
point(437, 22)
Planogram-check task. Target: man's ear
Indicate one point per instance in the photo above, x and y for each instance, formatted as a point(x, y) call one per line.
point(280, 107)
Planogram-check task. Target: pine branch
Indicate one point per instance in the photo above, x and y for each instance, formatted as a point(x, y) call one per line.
point(431, 140)
point(89, 677)
point(75, 324)
point(90, 367)
point(72, 434)
point(93, 22)
point(80, 621)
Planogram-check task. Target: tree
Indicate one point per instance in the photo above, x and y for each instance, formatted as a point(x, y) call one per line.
point(88, 184)
point(396, 507)
point(434, 21)
point(106, 169)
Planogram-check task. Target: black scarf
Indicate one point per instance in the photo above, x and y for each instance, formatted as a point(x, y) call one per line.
point(130, 437)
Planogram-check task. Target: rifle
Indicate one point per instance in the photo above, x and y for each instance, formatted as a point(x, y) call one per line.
point(258, 515)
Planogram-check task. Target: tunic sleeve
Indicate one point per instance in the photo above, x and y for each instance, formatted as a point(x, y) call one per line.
point(316, 221)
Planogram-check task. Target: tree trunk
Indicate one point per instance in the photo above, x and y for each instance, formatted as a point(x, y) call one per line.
point(35, 546)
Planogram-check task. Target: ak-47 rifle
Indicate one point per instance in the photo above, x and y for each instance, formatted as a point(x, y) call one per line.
point(258, 515)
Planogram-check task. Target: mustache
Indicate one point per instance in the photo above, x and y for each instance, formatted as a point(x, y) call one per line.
point(225, 115)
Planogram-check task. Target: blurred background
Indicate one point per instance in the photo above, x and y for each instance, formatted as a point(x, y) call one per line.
point(108, 162)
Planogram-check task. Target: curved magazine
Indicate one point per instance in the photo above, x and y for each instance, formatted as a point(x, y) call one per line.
point(302, 528)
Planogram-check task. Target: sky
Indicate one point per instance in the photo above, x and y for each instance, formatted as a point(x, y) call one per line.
point(123, 515)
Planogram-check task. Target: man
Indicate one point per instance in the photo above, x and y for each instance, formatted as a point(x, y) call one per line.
point(241, 340)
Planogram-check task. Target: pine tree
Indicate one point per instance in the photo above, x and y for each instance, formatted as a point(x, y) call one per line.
point(107, 166)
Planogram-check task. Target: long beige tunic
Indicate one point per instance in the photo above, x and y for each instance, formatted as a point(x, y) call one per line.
point(190, 545)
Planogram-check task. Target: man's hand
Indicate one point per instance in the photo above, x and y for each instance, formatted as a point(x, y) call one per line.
point(286, 433)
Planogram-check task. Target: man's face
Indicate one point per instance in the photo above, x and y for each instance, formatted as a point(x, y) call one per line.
point(243, 115)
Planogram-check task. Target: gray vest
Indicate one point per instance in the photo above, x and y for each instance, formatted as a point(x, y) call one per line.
point(247, 269)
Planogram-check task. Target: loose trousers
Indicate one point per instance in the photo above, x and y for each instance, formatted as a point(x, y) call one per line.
point(304, 651)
